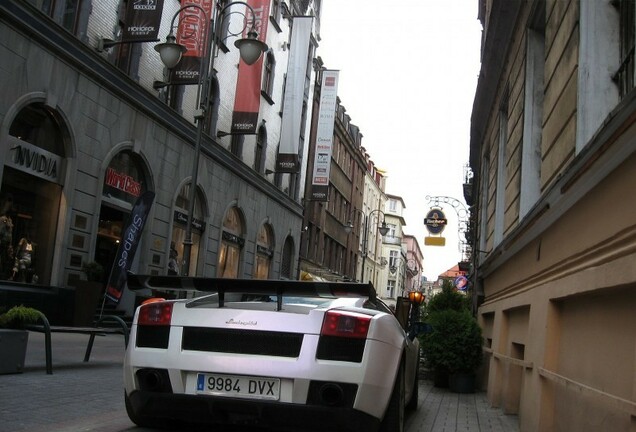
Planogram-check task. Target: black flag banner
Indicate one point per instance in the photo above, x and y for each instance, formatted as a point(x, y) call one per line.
point(128, 246)
point(143, 18)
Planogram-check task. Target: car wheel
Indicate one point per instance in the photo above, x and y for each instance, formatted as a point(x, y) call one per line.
point(393, 420)
point(143, 421)
point(412, 405)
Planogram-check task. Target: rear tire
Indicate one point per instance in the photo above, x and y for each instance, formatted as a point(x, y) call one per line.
point(412, 405)
point(143, 421)
point(393, 420)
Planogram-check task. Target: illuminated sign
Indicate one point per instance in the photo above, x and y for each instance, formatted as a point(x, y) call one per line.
point(122, 182)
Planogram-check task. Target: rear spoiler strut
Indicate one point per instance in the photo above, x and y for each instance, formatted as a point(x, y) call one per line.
point(279, 288)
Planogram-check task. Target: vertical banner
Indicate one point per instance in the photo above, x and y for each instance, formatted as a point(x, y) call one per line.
point(131, 233)
point(247, 99)
point(324, 136)
point(143, 18)
point(287, 160)
point(192, 32)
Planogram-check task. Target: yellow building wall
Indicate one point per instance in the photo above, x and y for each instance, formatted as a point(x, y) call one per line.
point(560, 318)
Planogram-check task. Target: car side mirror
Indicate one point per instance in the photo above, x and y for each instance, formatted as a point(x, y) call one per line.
point(402, 311)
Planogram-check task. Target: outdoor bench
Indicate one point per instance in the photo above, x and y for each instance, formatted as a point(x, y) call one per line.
point(44, 327)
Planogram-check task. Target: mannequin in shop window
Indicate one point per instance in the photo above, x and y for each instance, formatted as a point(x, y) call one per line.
point(6, 237)
point(23, 259)
point(173, 266)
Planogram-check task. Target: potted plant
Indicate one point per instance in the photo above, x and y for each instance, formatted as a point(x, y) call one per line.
point(447, 299)
point(13, 337)
point(93, 271)
point(88, 293)
point(455, 344)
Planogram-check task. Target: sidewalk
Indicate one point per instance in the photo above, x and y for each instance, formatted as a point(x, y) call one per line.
point(89, 396)
point(440, 410)
point(77, 397)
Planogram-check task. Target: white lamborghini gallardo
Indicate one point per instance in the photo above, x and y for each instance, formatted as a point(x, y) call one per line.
point(286, 355)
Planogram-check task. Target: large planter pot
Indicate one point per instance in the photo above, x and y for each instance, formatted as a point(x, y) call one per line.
point(462, 382)
point(13, 346)
point(440, 377)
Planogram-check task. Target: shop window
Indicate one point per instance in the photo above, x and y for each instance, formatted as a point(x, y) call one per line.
point(287, 259)
point(35, 124)
point(30, 194)
point(232, 243)
point(124, 183)
point(182, 207)
point(264, 252)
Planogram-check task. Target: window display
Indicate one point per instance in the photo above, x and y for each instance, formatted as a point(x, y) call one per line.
point(264, 252)
point(232, 242)
point(180, 219)
point(32, 182)
point(31, 207)
point(6, 237)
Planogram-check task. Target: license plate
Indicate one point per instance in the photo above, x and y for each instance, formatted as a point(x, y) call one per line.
point(240, 386)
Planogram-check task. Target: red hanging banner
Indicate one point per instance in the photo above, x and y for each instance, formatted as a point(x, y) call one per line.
point(192, 33)
point(248, 85)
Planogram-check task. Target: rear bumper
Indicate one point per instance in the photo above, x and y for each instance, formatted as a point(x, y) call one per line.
point(231, 411)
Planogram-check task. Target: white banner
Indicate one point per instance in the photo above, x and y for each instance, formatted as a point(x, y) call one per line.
point(324, 136)
point(288, 160)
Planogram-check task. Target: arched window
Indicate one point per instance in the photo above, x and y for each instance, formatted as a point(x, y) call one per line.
point(232, 243)
point(264, 252)
point(30, 194)
point(268, 77)
point(286, 262)
point(260, 150)
point(180, 218)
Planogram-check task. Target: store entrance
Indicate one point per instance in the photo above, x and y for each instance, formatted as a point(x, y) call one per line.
point(111, 221)
point(30, 206)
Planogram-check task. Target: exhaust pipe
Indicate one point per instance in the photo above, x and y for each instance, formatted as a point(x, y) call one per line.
point(154, 380)
point(331, 394)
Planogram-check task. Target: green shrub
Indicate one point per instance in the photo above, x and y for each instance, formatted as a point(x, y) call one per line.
point(18, 316)
point(455, 342)
point(448, 299)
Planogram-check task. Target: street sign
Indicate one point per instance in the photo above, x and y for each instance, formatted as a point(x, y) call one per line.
point(435, 221)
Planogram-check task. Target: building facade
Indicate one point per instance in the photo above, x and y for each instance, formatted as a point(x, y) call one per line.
point(330, 248)
point(553, 143)
point(88, 129)
point(394, 250)
point(370, 258)
point(414, 264)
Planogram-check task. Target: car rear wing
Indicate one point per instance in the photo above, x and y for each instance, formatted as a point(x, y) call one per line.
point(268, 287)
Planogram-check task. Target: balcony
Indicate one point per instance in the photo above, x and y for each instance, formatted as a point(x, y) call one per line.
point(392, 240)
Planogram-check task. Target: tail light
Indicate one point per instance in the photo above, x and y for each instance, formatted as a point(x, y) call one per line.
point(345, 324)
point(157, 314)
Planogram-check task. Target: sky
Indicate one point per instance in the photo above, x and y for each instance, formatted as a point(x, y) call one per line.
point(408, 73)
